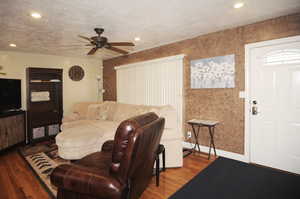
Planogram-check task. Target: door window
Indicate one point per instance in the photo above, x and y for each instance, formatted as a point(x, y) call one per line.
point(285, 56)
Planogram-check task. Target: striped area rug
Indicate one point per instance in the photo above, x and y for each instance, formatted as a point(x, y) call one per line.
point(42, 159)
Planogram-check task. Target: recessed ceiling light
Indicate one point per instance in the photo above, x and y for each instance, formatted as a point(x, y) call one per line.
point(36, 15)
point(238, 5)
point(137, 39)
point(12, 45)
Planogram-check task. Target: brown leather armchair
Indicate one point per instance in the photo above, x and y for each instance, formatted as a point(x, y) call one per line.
point(121, 170)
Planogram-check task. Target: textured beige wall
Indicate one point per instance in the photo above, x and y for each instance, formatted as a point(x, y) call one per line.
point(15, 64)
point(217, 104)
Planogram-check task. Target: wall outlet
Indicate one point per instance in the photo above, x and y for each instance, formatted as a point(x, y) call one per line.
point(189, 135)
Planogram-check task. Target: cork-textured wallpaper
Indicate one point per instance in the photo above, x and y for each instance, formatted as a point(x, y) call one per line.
point(222, 104)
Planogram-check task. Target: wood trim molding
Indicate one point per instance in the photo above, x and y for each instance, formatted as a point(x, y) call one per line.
point(227, 154)
point(136, 64)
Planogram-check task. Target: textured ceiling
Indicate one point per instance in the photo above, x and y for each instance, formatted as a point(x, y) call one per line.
point(156, 22)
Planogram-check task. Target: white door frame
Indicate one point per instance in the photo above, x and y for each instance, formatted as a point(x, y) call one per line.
point(248, 49)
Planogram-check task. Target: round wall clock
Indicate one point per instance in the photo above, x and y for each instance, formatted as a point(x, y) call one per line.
point(76, 73)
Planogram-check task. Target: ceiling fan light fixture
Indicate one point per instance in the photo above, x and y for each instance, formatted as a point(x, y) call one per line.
point(36, 15)
point(99, 42)
point(13, 45)
point(238, 5)
point(137, 39)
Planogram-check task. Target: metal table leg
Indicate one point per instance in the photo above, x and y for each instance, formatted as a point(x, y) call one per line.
point(196, 134)
point(212, 143)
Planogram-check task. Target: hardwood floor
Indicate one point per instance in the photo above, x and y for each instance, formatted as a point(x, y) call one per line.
point(17, 181)
point(173, 179)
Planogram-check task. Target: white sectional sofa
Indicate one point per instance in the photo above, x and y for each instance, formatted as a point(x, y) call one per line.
point(91, 124)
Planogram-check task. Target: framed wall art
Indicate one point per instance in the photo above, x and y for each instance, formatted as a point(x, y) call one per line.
point(215, 72)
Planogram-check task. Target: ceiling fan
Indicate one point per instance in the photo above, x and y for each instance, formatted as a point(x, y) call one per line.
point(102, 42)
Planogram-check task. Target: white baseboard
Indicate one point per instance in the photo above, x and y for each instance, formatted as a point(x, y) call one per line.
point(225, 154)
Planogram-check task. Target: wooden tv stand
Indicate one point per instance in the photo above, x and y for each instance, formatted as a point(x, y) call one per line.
point(12, 129)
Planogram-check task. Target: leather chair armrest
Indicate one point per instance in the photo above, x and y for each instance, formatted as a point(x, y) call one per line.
point(86, 180)
point(107, 146)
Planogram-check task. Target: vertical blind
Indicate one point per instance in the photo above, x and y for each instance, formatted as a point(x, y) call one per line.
point(156, 82)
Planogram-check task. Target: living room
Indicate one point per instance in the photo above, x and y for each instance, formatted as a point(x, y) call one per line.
point(72, 72)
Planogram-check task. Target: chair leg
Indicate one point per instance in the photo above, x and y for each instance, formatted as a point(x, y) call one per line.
point(157, 170)
point(126, 193)
point(164, 159)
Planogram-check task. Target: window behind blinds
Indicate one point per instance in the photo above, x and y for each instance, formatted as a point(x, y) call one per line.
point(155, 82)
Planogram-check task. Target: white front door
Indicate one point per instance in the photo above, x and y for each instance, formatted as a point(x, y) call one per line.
point(275, 104)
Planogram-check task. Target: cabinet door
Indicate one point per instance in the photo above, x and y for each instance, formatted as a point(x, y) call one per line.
point(3, 133)
point(11, 130)
point(20, 131)
point(15, 129)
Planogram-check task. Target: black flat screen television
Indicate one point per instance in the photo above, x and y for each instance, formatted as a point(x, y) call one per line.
point(10, 94)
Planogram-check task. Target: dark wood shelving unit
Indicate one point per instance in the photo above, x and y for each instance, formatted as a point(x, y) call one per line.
point(44, 115)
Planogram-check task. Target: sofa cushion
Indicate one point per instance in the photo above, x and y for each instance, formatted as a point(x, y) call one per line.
point(170, 115)
point(75, 124)
point(93, 111)
point(104, 110)
point(142, 109)
point(70, 117)
point(125, 111)
point(110, 109)
point(86, 132)
point(108, 128)
point(82, 108)
point(167, 112)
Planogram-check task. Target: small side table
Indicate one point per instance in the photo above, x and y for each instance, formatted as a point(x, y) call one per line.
point(211, 129)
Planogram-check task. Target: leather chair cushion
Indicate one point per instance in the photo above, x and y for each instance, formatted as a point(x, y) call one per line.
point(99, 160)
point(89, 175)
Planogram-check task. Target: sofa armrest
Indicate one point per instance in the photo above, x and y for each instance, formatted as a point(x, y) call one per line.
point(71, 117)
point(85, 180)
point(107, 146)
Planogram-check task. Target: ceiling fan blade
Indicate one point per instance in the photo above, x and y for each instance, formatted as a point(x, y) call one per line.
point(92, 51)
point(121, 44)
point(89, 45)
point(81, 41)
point(86, 38)
point(71, 45)
point(117, 50)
